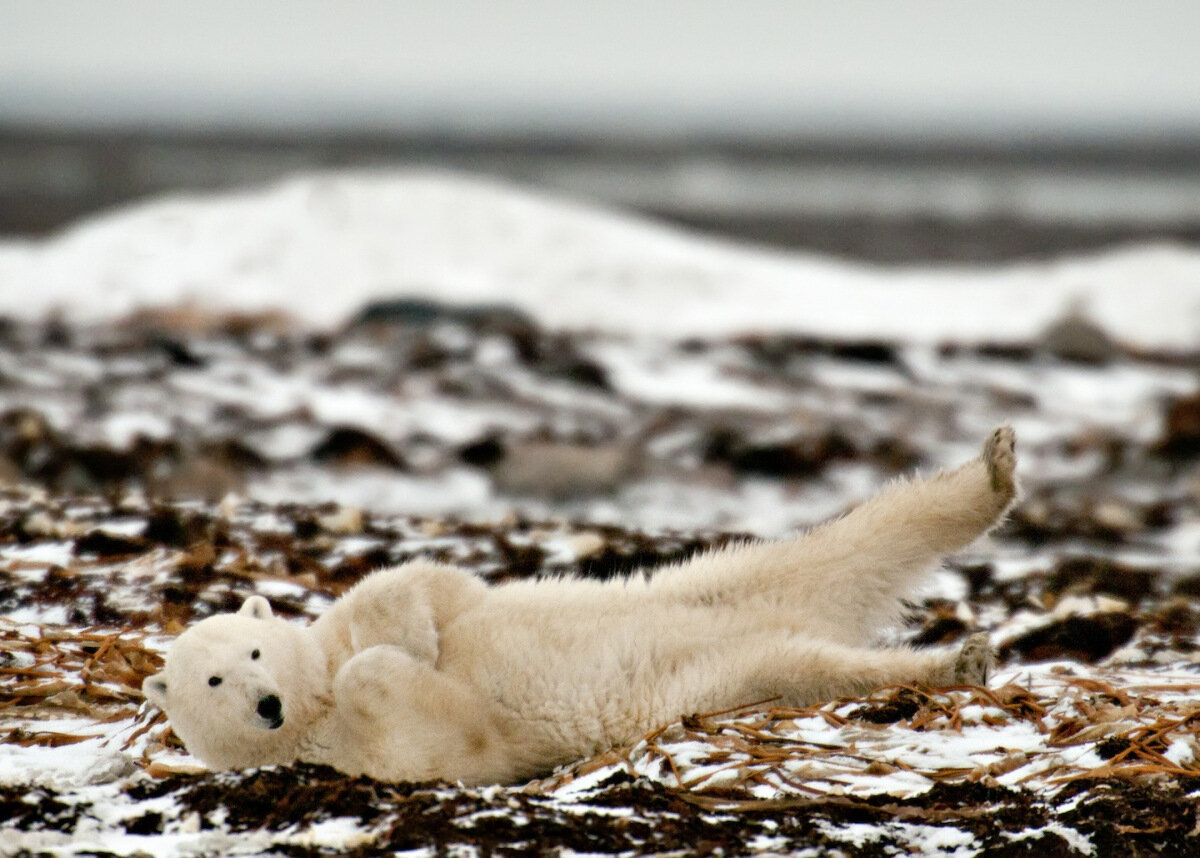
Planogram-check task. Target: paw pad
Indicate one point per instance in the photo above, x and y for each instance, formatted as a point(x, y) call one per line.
point(1000, 454)
point(974, 661)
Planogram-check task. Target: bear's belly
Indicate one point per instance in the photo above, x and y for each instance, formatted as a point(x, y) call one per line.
point(583, 681)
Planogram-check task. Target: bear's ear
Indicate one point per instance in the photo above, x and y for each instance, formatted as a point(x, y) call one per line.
point(257, 607)
point(154, 688)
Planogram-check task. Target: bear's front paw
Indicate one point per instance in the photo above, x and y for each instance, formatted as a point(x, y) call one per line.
point(374, 682)
point(974, 661)
point(1000, 456)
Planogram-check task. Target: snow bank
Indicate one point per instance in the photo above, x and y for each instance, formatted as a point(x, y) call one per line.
point(320, 246)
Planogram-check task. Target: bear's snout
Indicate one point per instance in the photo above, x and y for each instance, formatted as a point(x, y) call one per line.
point(270, 709)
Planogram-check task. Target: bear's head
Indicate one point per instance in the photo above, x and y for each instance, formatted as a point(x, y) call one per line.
point(242, 689)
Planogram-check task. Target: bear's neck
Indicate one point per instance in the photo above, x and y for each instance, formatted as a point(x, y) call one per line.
point(310, 742)
point(316, 676)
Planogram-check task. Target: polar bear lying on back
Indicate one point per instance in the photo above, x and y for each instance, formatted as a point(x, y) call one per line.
point(425, 672)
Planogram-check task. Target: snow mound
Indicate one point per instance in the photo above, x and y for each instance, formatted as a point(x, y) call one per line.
point(320, 246)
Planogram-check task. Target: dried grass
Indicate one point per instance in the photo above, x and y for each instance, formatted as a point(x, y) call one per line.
point(94, 674)
point(732, 762)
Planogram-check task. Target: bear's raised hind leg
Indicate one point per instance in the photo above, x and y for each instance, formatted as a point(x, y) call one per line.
point(844, 580)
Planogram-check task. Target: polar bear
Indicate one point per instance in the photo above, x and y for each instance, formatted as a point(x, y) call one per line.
point(425, 672)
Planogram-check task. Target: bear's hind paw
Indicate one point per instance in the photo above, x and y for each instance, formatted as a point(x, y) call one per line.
point(974, 661)
point(1000, 456)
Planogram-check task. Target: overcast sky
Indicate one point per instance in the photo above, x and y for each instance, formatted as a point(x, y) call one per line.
point(1005, 68)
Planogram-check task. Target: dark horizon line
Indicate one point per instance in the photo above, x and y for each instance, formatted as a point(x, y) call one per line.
point(1160, 149)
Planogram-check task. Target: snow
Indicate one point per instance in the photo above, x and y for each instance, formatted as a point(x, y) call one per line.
point(319, 246)
point(380, 490)
point(41, 553)
point(121, 431)
point(671, 380)
point(921, 839)
point(63, 766)
point(1075, 841)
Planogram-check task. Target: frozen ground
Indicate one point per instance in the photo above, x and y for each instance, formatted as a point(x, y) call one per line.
point(591, 395)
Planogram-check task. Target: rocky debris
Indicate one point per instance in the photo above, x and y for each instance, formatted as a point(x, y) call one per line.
point(557, 469)
point(1181, 434)
point(180, 323)
point(792, 455)
point(118, 528)
point(433, 334)
point(1090, 575)
point(615, 552)
point(1077, 338)
point(1087, 639)
point(346, 446)
point(1053, 516)
point(199, 477)
point(10, 474)
point(779, 351)
point(407, 312)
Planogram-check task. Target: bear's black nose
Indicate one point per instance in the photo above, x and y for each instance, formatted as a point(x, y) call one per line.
point(270, 708)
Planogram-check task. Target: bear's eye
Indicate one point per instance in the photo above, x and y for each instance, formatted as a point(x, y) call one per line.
point(255, 654)
point(214, 681)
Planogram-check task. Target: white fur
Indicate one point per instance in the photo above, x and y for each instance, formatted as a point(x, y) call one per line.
point(423, 671)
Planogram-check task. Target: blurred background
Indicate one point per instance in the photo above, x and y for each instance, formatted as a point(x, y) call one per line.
point(925, 130)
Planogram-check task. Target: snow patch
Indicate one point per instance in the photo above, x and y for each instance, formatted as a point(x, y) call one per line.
point(320, 246)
